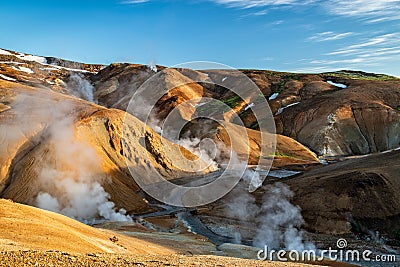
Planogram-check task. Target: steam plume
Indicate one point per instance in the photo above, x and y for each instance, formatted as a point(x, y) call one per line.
point(81, 87)
point(277, 221)
point(69, 176)
point(72, 186)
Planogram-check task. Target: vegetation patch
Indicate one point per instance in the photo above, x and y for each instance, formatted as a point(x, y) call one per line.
point(255, 126)
point(359, 75)
point(280, 154)
point(233, 101)
point(214, 107)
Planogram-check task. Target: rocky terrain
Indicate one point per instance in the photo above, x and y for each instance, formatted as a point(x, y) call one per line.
point(68, 146)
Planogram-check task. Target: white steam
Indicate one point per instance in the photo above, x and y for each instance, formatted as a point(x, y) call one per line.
point(80, 87)
point(277, 221)
point(69, 173)
point(152, 66)
point(71, 184)
point(253, 178)
point(205, 149)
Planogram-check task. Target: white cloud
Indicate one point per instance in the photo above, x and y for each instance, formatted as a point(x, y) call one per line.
point(260, 13)
point(356, 60)
point(342, 52)
point(313, 69)
point(267, 59)
point(134, 1)
point(376, 10)
point(374, 41)
point(382, 44)
point(329, 36)
point(259, 3)
point(256, 13)
point(371, 11)
point(367, 52)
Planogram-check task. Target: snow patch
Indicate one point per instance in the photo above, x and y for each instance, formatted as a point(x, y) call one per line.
point(273, 96)
point(23, 69)
point(4, 52)
point(200, 104)
point(11, 62)
point(340, 85)
point(37, 59)
point(65, 68)
point(49, 69)
point(280, 110)
point(7, 78)
point(249, 106)
point(55, 67)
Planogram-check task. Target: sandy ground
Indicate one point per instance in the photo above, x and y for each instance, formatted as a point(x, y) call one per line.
point(34, 237)
point(23, 227)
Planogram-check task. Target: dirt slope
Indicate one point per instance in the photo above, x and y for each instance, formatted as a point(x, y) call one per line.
point(24, 227)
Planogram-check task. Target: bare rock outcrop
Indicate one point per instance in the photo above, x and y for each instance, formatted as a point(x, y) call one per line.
point(357, 195)
point(358, 120)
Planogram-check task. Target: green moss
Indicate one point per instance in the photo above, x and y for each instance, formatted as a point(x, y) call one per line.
point(359, 75)
point(255, 126)
point(217, 107)
point(233, 101)
point(214, 107)
point(398, 108)
point(280, 154)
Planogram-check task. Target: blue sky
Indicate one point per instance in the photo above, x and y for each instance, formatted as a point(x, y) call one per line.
point(285, 35)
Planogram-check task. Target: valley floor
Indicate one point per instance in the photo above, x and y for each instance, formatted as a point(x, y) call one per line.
point(55, 258)
point(34, 237)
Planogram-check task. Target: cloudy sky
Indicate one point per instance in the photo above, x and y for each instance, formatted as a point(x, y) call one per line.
point(285, 35)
